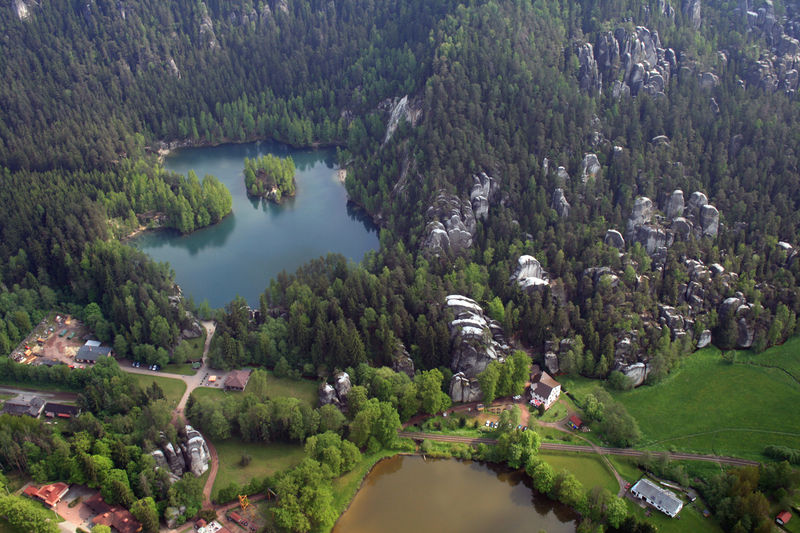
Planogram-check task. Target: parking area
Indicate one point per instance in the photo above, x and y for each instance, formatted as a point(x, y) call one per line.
point(72, 508)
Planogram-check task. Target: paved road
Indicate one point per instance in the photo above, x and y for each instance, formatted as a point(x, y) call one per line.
point(587, 449)
point(47, 395)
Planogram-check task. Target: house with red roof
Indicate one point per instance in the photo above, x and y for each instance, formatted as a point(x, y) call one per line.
point(575, 422)
point(49, 495)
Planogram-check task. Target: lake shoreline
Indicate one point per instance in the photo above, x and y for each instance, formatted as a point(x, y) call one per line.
point(164, 148)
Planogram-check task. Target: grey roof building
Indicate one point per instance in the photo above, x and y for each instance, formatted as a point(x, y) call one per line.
point(664, 500)
point(90, 354)
point(24, 405)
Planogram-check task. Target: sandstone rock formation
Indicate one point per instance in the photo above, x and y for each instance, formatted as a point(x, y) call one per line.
point(451, 225)
point(195, 452)
point(484, 190)
point(674, 206)
point(590, 167)
point(401, 109)
point(463, 389)
point(476, 340)
point(559, 203)
point(614, 238)
point(529, 273)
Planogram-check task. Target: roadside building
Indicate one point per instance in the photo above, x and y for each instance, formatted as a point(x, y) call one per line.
point(237, 380)
point(117, 518)
point(664, 500)
point(783, 518)
point(575, 422)
point(60, 410)
point(90, 354)
point(544, 390)
point(24, 405)
point(49, 495)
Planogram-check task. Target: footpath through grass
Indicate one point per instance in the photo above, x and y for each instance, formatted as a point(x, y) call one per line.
point(173, 388)
point(714, 407)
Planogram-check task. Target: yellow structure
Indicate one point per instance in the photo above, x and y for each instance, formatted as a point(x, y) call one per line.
point(244, 502)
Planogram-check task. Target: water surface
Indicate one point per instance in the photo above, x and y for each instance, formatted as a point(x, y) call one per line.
point(408, 494)
point(259, 239)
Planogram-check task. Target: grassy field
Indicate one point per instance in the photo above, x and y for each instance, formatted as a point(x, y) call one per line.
point(302, 389)
point(783, 357)
point(184, 369)
point(590, 470)
point(710, 406)
point(173, 388)
point(266, 459)
point(689, 519)
point(554, 414)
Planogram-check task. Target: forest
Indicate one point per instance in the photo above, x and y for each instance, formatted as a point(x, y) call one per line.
point(516, 89)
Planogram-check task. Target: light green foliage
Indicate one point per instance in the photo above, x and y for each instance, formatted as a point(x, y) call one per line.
point(330, 450)
point(429, 389)
point(376, 420)
point(305, 498)
point(25, 515)
point(145, 511)
point(519, 448)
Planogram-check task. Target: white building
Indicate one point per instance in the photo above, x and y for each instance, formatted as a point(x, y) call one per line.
point(544, 390)
point(662, 499)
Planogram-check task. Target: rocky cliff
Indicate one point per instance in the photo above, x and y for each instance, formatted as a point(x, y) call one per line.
point(192, 455)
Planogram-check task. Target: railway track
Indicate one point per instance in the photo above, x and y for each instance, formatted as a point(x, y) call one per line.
point(555, 446)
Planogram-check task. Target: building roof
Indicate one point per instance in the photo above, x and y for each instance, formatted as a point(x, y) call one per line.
point(576, 421)
point(97, 504)
point(237, 379)
point(49, 494)
point(24, 405)
point(784, 516)
point(542, 390)
point(120, 519)
point(60, 409)
point(93, 344)
point(92, 353)
point(663, 499)
point(547, 379)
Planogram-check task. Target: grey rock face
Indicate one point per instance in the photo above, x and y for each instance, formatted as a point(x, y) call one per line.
point(696, 201)
point(195, 452)
point(709, 220)
point(659, 140)
point(559, 203)
point(451, 225)
point(327, 395)
point(21, 9)
point(464, 389)
point(529, 273)
point(681, 227)
point(551, 363)
point(705, 339)
point(641, 214)
point(636, 372)
point(562, 174)
point(588, 77)
point(708, 80)
point(402, 109)
point(342, 385)
point(176, 463)
point(402, 362)
point(730, 306)
point(674, 207)
point(484, 191)
point(590, 167)
point(614, 238)
point(691, 9)
point(653, 238)
point(161, 459)
point(746, 334)
point(475, 339)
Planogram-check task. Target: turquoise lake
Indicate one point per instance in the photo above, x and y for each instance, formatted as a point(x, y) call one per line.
point(259, 239)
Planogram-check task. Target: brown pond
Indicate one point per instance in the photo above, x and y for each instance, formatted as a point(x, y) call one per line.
point(407, 494)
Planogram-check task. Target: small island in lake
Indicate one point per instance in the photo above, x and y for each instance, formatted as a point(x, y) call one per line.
point(270, 177)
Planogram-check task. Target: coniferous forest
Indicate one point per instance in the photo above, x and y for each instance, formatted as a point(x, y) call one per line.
point(514, 128)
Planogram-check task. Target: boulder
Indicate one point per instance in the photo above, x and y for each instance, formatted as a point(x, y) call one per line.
point(590, 167)
point(475, 340)
point(674, 206)
point(671, 317)
point(708, 80)
point(559, 203)
point(484, 190)
point(696, 201)
point(464, 389)
point(659, 140)
point(729, 306)
point(681, 227)
point(195, 452)
point(709, 220)
point(551, 363)
point(653, 238)
point(614, 238)
point(327, 395)
point(342, 385)
point(704, 339)
point(636, 372)
point(22, 9)
point(529, 273)
point(161, 459)
point(561, 174)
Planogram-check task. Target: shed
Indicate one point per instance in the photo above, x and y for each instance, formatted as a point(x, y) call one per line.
point(90, 354)
point(237, 380)
point(783, 518)
point(575, 422)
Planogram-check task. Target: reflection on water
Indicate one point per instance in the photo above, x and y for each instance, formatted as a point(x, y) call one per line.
point(409, 494)
point(259, 239)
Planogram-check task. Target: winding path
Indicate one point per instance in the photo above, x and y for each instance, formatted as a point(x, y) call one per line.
point(600, 450)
